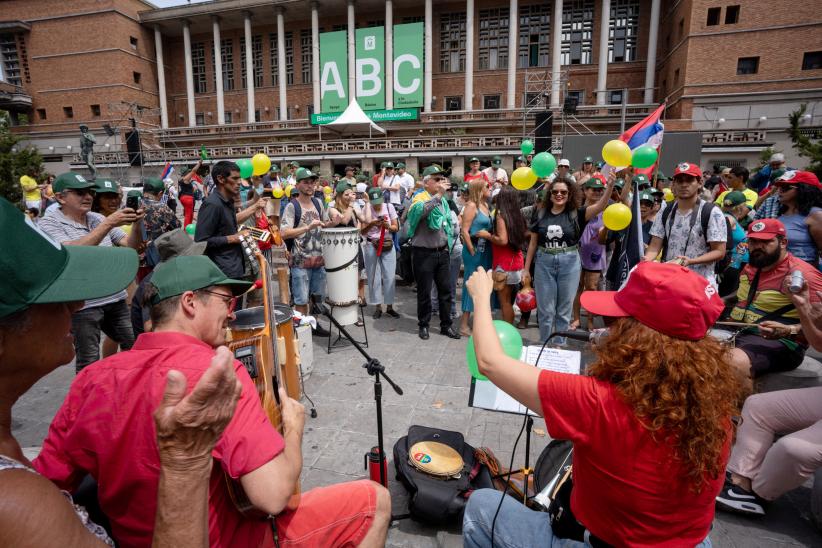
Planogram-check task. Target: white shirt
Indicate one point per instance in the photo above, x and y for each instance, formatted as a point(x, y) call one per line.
point(407, 182)
point(394, 196)
point(494, 176)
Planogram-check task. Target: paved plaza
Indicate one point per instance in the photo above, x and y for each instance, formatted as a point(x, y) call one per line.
point(435, 382)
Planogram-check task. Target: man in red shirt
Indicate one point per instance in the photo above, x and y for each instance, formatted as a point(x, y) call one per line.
point(650, 426)
point(104, 428)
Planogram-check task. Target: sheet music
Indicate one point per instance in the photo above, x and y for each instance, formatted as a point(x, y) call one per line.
point(486, 395)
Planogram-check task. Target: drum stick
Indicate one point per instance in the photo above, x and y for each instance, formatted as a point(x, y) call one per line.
point(735, 324)
point(282, 281)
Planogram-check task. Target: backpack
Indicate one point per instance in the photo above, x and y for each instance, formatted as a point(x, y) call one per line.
point(298, 215)
point(434, 500)
point(704, 216)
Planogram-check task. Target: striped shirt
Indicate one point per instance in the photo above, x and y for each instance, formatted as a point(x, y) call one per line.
point(62, 229)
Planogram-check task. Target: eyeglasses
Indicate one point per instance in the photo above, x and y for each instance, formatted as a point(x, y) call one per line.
point(229, 301)
point(786, 188)
point(559, 193)
point(82, 191)
point(438, 179)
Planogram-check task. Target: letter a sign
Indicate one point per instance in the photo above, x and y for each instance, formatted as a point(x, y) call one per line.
point(333, 71)
point(369, 69)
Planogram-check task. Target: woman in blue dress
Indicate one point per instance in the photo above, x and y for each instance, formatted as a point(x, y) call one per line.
point(476, 250)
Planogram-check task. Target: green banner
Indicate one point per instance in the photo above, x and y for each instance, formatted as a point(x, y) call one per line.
point(377, 116)
point(370, 69)
point(333, 71)
point(408, 65)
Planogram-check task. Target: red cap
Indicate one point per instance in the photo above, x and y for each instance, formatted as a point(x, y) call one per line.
point(766, 229)
point(798, 177)
point(690, 303)
point(689, 169)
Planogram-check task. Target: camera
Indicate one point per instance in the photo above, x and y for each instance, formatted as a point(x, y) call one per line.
point(133, 202)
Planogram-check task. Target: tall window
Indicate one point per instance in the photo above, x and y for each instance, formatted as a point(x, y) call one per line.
point(305, 55)
point(256, 59)
point(289, 58)
point(198, 67)
point(227, 58)
point(534, 36)
point(273, 58)
point(452, 42)
point(577, 32)
point(493, 38)
point(732, 15)
point(713, 16)
point(10, 68)
point(622, 36)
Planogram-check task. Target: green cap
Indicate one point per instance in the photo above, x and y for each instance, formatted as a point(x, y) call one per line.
point(473, 159)
point(294, 164)
point(152, 184)
point(642, 180)
point(464, 187)
point(38, 270)
point(338, 176)
point(434, 169)
point(342, 186)
point(620, 183)
point(593, 182)
point(388, 165)
point(400, 165)
point(70, 180)
point(646, 197)
point(274, 168)
point(587, 160)
point(375, 196)
point(776, 174)
point(656, 192)
point(361, 178)
point(660, 176)
point(305, 173)
point(733, 198)
point(106, 186)
point(496, 161)
point(522, 159)
point(190, 273)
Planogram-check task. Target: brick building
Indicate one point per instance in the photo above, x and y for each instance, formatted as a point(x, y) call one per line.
point(731, 71)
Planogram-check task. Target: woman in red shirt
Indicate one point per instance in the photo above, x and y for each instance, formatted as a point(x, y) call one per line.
point(650, 424)
point(474, 171)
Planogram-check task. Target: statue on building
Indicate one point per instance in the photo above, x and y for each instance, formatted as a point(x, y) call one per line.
point(87, 142)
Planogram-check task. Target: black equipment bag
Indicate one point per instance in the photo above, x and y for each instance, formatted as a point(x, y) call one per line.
point(434, 500)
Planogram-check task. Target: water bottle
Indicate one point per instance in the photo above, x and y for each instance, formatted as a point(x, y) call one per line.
point(797, 282)
point(481, 245)
point(373, 460)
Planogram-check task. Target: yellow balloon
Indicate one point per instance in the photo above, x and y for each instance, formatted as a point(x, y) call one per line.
point(668, 194)
point(523, 178)
point(260, 164)
point(288, 189)
point(327, 189)
point(616, 153)
point(328, 198)
point(277, 192)
point(616, 216)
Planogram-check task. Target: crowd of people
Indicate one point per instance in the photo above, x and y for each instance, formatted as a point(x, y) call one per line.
point(727, 247)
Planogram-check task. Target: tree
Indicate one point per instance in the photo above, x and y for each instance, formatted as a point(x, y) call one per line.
point(803, 144)
point(15, 161)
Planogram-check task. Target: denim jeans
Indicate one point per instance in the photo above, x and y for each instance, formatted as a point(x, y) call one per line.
point(556, 278)
point(113, 319)
point(516, 525)
point(306, 282)
point(381, 274)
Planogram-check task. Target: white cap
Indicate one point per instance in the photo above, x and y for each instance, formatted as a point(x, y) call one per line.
point(778, 157)
point(361, 187)
point(564, 162)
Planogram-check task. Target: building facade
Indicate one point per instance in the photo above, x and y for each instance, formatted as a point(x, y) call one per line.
point(731, 71)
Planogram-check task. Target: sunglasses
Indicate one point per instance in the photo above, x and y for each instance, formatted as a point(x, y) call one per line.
point(230, 302)
point(559, 193)
point(82, 191)
point(786, 188)
point(438, 179)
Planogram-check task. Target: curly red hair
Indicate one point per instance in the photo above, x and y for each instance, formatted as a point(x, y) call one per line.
point(684, 392)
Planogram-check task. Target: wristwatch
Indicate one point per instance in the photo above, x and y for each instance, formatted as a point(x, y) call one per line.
point(794, 329)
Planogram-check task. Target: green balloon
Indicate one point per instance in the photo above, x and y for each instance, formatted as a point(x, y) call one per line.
point(544, 164)
point(527, 147)
point(644, 156)
point(246, 168)
point(509, 338)
point(191, 228)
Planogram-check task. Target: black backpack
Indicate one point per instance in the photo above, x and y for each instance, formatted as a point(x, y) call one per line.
point(298, 214)
point(704, 218)
point(433, 500)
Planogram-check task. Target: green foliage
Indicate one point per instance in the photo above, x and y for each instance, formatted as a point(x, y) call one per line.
point(803, 144)
point(765, 156)
point(14, 162)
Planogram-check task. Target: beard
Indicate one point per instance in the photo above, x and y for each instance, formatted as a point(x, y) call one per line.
point(760, 258)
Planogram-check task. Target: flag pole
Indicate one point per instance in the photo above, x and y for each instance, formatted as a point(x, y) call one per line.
point(659, 154)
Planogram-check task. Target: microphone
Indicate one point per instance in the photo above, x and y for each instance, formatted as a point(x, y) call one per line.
point(595, 336)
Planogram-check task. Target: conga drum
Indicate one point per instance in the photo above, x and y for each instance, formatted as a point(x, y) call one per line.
point(340, 248)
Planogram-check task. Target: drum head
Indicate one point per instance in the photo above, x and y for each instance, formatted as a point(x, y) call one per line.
point(435, 458)
point(248, 318)
point(282, 313)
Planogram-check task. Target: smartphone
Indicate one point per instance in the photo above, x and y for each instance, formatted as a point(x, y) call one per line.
point(133, 202)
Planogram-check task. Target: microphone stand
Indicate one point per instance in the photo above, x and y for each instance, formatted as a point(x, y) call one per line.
point(375, 369)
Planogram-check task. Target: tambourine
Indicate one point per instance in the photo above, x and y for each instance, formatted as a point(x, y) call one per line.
point(436, 459)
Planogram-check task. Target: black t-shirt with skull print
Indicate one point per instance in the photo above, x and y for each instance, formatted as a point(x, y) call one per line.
point(556, 231)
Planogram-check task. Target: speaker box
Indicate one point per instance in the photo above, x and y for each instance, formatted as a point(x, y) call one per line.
point(135, 158)
point(570, 105)
point(543, 131)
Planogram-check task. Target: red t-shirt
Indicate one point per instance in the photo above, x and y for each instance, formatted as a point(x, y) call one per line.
point(105, 427)
point(628, 489)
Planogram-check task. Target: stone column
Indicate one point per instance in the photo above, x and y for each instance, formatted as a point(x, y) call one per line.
point(249, 68)
point(218, 69)
point(458, 166)
point(161, 76)
point(389, 54)
point(468, 103)
point(315, 54)
point(192, 118)
point(650, 65)
point(513, 54)
point(602, 70)
point(281, 63)
point(352, 79)
point(556, 58)
point(428, 52)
